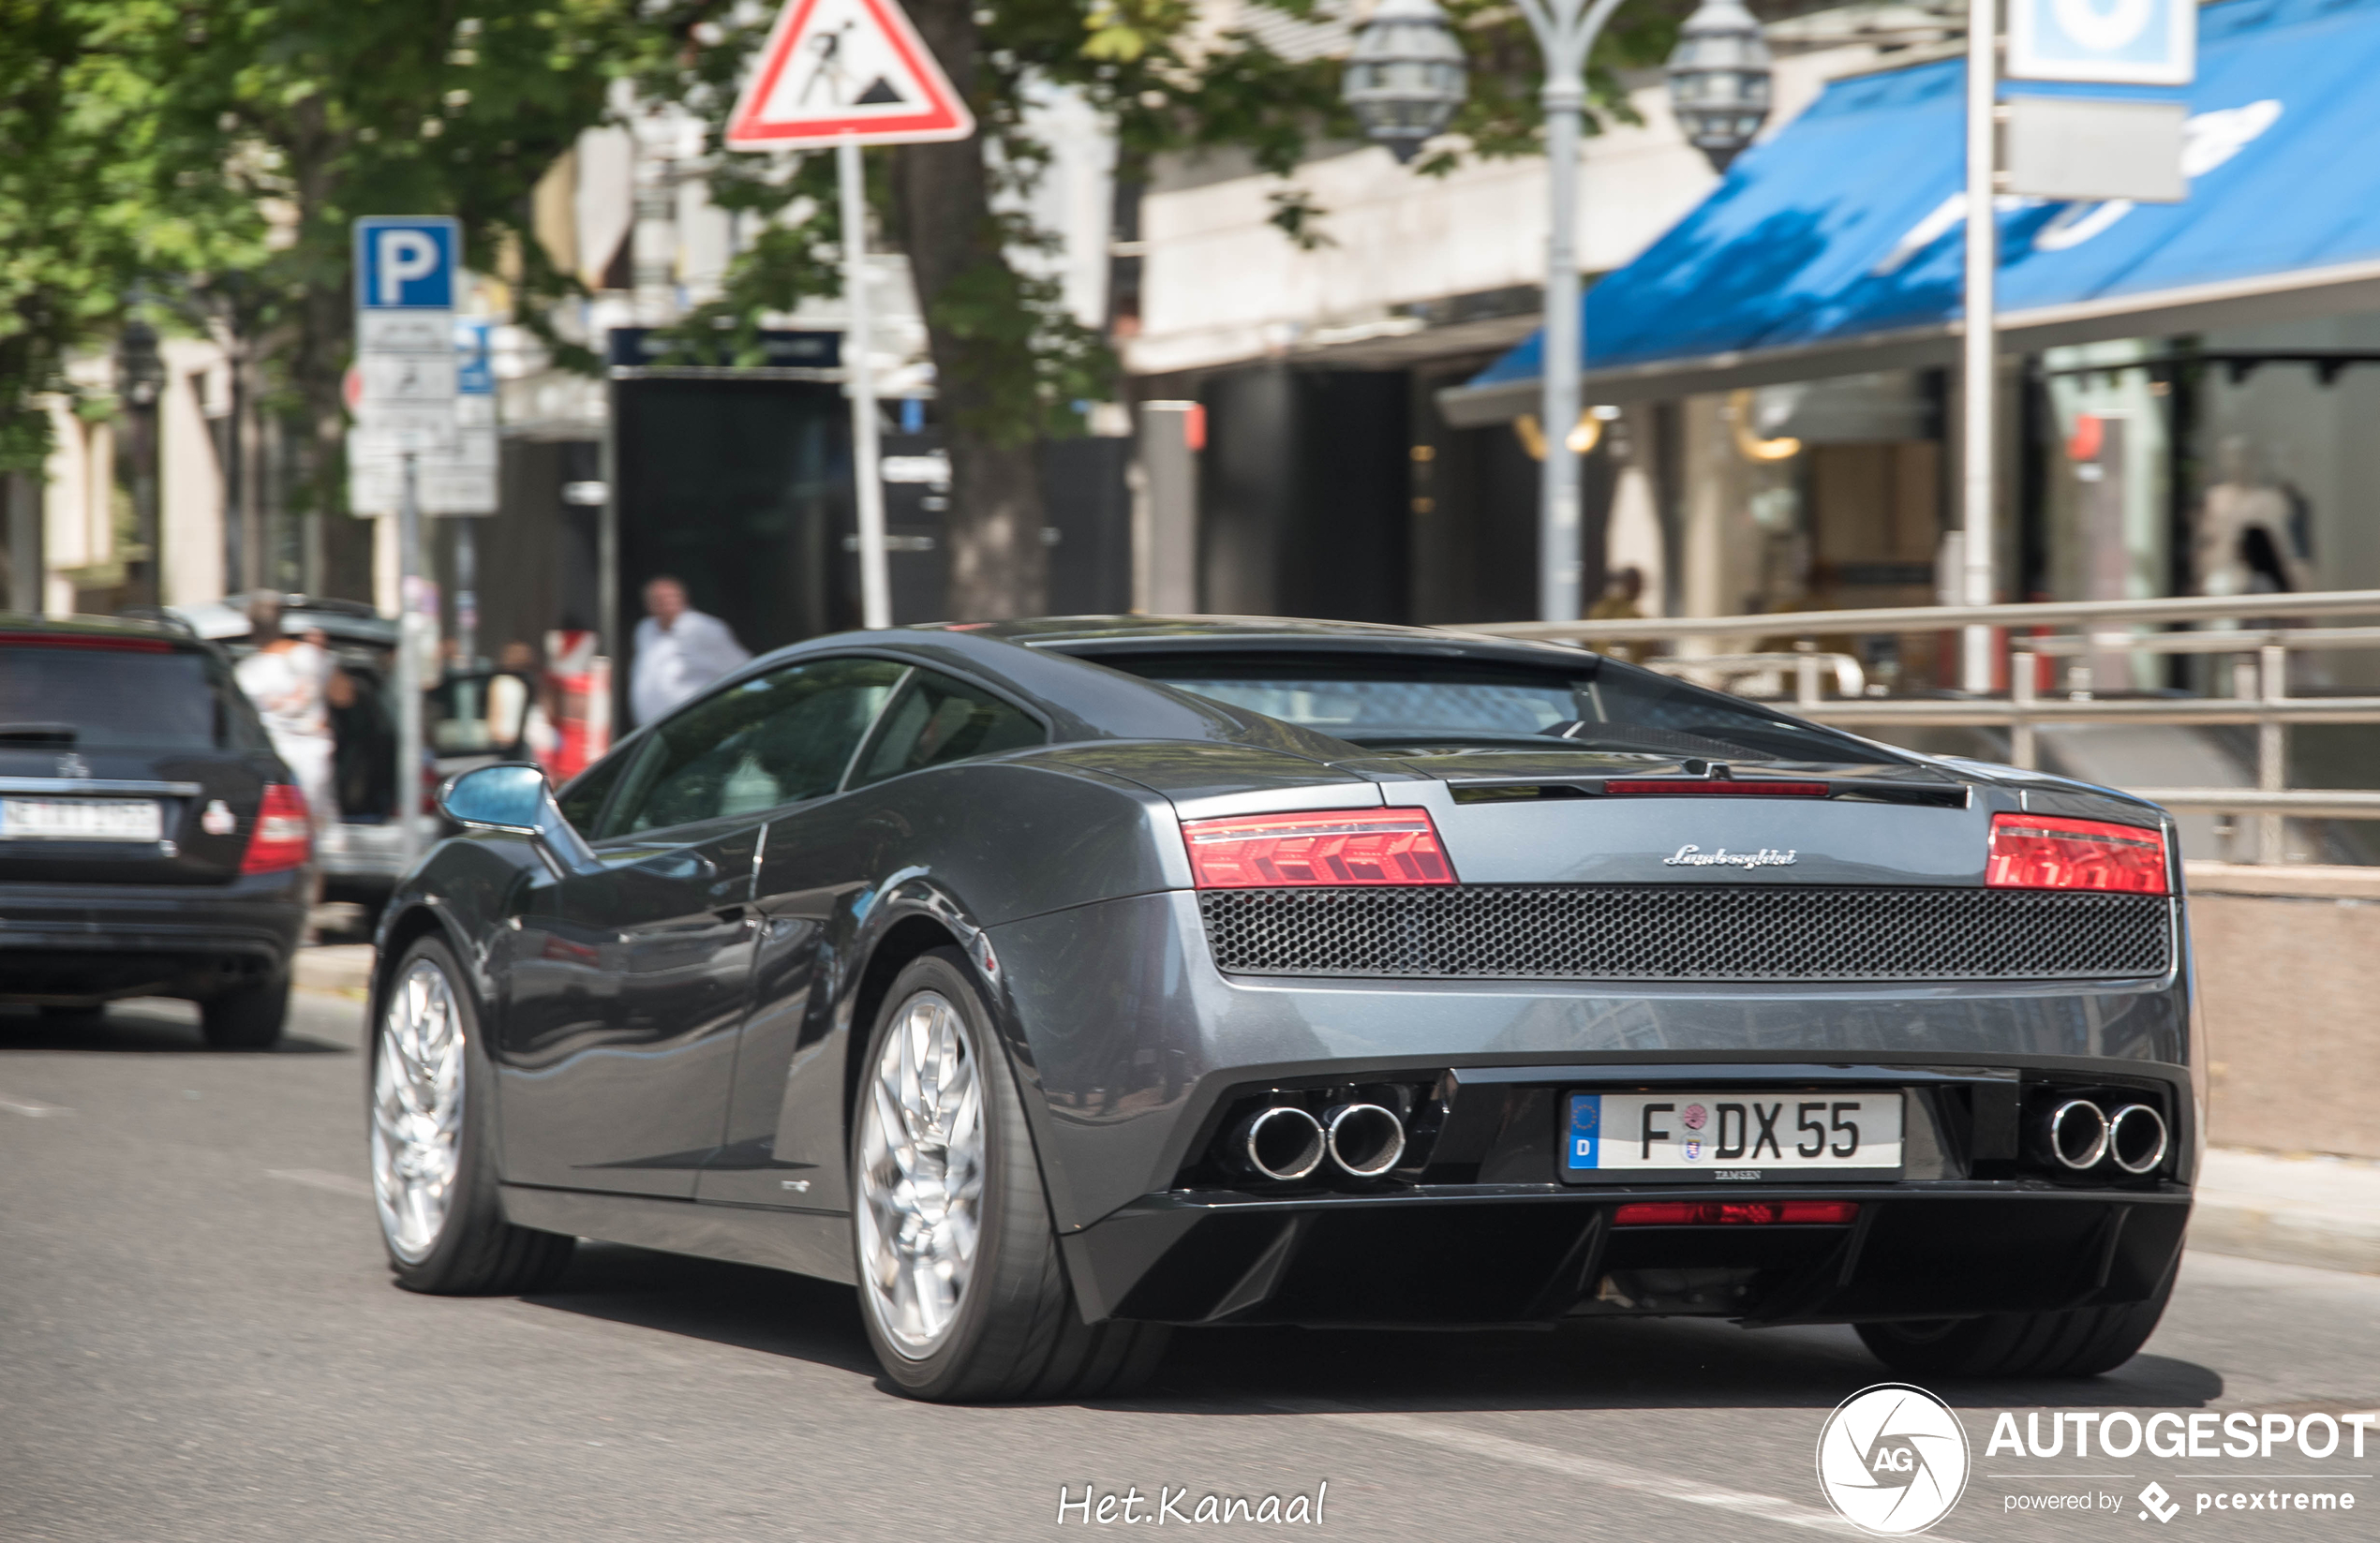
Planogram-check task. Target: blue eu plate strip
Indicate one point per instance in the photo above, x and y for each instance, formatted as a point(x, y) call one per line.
point(1586, 1131)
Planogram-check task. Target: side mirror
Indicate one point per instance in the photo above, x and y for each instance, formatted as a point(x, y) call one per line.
point(516, 798)
point(509, 798)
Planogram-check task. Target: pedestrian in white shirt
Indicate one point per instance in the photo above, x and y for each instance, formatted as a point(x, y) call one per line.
point(284, 678)
point(680, 650)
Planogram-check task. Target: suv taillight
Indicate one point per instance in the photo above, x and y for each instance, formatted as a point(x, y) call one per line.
point(1324, 847)
point(284, 837)
point(2042, 852)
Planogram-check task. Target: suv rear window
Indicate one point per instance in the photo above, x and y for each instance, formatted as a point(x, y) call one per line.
point(1392, 703)
point(118, 694)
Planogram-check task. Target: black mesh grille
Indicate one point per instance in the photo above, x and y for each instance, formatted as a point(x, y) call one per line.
point(1688, 932)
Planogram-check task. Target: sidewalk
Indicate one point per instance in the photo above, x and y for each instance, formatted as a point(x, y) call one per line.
point(2294, 1210)
point(342, 968)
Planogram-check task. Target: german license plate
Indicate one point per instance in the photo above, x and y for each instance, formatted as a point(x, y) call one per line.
point(80, 820)
point(1744, 1136)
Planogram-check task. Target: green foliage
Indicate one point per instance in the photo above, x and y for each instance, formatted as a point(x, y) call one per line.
point(78, 225)
point(220, 150)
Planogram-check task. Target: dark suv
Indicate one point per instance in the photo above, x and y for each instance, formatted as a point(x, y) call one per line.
point(151, 842)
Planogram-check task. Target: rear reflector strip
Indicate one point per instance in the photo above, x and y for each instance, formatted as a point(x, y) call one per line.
point(1723, 1213)
point(1697, 787)
point(2042, 852)
point(1336, 847)
point(112, 642)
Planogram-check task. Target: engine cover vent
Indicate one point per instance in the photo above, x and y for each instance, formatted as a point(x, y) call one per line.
point(1689, 932)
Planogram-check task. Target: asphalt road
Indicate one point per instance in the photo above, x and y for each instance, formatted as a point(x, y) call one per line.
point(199, 1340)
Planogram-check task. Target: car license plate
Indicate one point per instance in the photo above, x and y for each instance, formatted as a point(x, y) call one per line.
point(80, 820)
point(1740, 1136)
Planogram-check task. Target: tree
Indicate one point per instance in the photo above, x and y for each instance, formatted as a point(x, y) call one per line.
point(74, 230)
point(304, 115)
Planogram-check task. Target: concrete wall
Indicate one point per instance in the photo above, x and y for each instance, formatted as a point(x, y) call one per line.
point(2291, 988)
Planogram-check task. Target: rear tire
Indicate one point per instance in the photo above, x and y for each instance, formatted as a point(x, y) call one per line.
point(432, 1138)
point(1014, 1330)
point(247, 1017)
point(2081, 1342)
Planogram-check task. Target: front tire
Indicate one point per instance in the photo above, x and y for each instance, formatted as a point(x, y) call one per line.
point(434, 1170)
point(2081, 1342)
point(961, 1285)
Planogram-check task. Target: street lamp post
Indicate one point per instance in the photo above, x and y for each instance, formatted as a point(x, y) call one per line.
point(1398, 84)
point(141, 381)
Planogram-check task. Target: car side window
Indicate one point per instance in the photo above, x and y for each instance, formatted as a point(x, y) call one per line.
point(774, 739)
point(582, 800)
point(938, 720)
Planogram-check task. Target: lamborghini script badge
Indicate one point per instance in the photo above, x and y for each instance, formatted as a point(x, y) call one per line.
point(1697, 857)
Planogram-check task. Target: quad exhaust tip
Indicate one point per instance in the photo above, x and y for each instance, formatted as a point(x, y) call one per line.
point(1365, 1139)
point(1281, 1143)
point(2136, 1138)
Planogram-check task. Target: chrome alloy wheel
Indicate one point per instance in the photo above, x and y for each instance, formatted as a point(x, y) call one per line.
point(921, 1174)
point(417, 1110)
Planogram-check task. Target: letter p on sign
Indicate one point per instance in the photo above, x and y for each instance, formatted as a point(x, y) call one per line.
point(406, 263)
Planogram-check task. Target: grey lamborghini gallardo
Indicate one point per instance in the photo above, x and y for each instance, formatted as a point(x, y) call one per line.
point(1057, 982)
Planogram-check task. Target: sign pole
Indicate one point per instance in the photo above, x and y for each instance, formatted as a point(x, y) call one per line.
point(849, 78)
point(1980, 385)
point(408, 668)
point(875, 586)
point(466, 597)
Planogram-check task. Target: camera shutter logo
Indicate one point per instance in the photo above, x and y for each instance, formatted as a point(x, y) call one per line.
point(1893, 1460)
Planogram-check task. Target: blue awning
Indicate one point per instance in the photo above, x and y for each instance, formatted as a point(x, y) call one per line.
point(1837, 246)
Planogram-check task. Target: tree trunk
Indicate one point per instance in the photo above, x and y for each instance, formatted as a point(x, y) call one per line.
point(943, 209)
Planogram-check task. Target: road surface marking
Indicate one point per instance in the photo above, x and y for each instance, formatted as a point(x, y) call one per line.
point(337, 1183)
point(1611, 1475)
point(29, 1108)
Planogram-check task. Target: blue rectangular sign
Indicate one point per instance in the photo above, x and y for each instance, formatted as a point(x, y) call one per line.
point(407, 262)
point(474, 365)
point(2135, 42)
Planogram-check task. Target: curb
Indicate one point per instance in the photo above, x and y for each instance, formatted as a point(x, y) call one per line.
point(342, 968)
point(2286, 1236)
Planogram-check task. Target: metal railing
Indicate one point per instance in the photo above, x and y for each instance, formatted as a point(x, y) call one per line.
point(2030, 634)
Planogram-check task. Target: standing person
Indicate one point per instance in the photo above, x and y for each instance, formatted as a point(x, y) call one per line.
point(680, 650)
point(518, 719)
point(285, 677)
point(1621, 601)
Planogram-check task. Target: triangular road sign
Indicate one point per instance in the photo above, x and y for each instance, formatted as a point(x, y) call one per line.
point(845, 69)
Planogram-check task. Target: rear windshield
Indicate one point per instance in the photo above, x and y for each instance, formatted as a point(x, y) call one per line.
point(1394, 704)
point(117, 696)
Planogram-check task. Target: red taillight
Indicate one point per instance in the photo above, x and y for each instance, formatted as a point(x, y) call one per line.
point(1722, 1213)
point(1327, 847)
point(284, 837)
point(2040, 851)
point(1698, 787)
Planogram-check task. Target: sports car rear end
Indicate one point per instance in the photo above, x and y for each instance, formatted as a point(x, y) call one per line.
point(1664, 1004)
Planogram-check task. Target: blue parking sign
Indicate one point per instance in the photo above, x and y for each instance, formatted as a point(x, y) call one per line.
point(2135, 42)
point(406, 263)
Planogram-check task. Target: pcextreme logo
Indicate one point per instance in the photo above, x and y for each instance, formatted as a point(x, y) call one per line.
point(1893, 1460)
